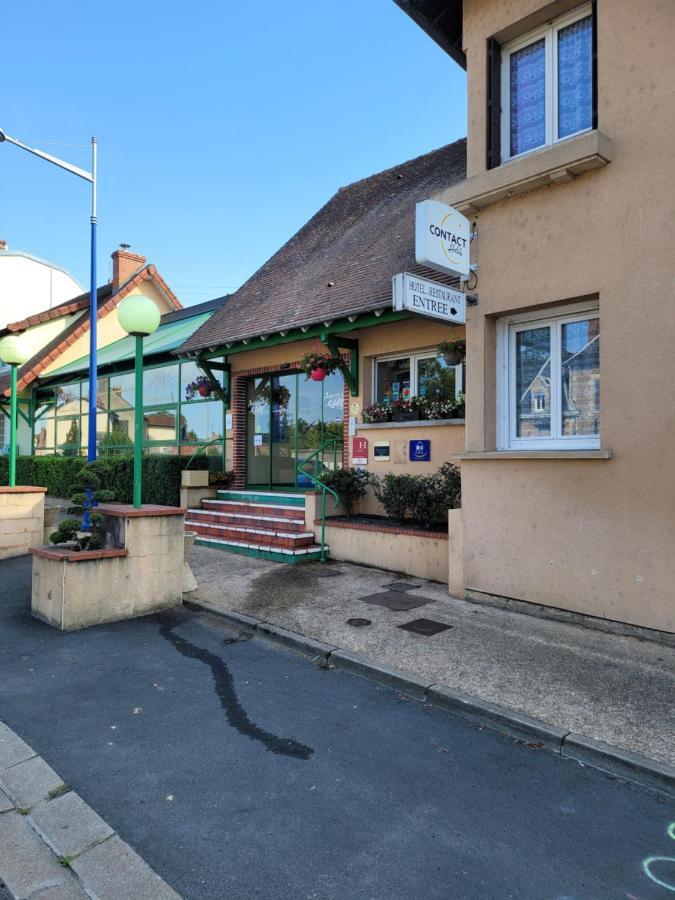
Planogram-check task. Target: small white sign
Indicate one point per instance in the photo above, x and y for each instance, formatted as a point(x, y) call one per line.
point(427, 298)
point(442, 238)
point(257, 440)
point(228, 421)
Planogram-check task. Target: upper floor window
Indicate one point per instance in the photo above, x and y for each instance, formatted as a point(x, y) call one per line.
point(549, 380)
point(547, 84)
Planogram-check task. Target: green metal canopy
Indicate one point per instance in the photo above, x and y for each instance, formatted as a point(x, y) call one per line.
point(167, 338)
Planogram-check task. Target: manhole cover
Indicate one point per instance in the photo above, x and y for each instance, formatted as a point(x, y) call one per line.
point(427, 627)
point(359, 623)
point(396, 600)
point(402, 586)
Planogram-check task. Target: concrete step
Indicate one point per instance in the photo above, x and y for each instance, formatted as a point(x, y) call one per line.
point(214, 516)
point(257, 508)
point(264, 536)
point(275, 498)
point(261, 551)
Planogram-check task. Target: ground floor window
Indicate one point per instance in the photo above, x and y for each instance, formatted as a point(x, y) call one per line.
point(172, 423)
point(402, 377)
point(549, 380)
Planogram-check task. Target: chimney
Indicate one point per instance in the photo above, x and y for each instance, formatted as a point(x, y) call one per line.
point(125, 264)
point(3, 244)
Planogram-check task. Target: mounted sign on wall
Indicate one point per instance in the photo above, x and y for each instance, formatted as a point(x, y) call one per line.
point(427, 298)
point(442, 238)
point(359, 451)
point(420, 451)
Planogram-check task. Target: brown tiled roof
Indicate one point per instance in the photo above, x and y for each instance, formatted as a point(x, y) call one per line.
point(342, 261)
point(106, 302)
point(55, 312)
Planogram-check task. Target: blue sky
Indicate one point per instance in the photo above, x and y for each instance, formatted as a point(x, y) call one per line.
point(221, 129)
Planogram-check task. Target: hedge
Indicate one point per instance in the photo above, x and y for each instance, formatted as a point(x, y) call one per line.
point(161, 475)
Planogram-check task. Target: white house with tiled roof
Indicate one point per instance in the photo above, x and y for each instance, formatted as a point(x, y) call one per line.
point(29, 285)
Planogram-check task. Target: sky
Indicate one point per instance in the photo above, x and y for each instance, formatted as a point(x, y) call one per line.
point(223, 125)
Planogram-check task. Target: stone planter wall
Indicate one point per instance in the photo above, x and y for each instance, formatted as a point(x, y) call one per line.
point(140, 573)
point(423, 554)
point(22, 513)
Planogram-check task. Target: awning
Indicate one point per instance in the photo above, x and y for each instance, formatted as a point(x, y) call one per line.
point(167, 338)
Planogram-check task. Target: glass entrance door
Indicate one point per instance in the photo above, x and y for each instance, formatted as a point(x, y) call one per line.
point(288, 418)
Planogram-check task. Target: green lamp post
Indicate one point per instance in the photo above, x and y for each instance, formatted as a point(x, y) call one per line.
point(139, 317)
point(12, 353)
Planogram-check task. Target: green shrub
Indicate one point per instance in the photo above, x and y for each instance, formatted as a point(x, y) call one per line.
point(90, 479)
point(60, 475)
point(422, 499)
point(350, 485)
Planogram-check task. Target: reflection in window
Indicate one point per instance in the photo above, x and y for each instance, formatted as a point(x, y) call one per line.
point(533, 382)
point(121, 391)
point(581, 377)
point(159, 425)
point(201, 422)
point(160, 385)
point(436, 379)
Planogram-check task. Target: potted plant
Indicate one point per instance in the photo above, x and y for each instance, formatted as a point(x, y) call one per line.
point(281, 396)
point(202, 386)
point(453, 352)
point(376, 413)
point(403, 411)
point(317, 365)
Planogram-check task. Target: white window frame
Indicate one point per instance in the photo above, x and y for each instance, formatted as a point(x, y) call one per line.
point(415, 359)
point(550, 34)
point(507, 405)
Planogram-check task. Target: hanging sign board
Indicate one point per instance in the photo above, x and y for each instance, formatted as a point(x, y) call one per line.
point(427, 298)
point(359, 451)
point(442, 238)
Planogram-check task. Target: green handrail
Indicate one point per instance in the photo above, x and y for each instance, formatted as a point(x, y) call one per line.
point(201, 449)
point(326, 445)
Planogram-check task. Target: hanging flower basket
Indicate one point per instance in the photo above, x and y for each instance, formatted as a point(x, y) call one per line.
point(453, 352)
point(202, 386)
point(317, 365)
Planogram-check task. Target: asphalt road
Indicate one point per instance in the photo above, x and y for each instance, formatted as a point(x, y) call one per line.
point(239, 770)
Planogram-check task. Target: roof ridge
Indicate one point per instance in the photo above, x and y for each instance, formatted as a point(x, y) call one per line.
point(402, 165)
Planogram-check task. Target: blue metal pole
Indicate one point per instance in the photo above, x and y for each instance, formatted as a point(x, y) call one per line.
point(93, 318)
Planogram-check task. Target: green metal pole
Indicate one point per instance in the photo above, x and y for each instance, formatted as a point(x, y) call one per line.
point(138, 427)
point(13, 412)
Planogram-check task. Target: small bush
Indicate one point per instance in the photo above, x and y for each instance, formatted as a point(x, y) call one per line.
point(350, 485)
point(222, 479)
point(422, 499)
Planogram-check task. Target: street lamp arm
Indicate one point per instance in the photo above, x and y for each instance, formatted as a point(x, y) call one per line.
point(75, 170)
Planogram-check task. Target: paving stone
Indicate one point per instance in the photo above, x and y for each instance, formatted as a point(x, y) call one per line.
point(69, 891)
point(5, 802)
point(113, 871)
point(30, 781)
point(27, 865)
point(12, 748)
point(68, 825)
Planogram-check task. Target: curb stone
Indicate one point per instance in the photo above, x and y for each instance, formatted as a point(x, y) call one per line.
point(31, 841)
point(306, 646)
point(635, 768)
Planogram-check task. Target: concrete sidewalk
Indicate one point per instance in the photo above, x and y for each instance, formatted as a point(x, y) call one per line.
point(611, 688)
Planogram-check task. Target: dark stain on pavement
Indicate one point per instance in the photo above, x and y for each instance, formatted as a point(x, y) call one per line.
point(226, 693)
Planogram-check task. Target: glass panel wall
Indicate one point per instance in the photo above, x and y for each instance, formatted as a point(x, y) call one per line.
point(171, 423)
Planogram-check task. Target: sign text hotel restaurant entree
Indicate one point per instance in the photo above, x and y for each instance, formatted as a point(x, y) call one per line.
point(427, 298)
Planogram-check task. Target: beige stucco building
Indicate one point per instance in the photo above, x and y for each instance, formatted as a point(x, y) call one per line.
point(575, 232)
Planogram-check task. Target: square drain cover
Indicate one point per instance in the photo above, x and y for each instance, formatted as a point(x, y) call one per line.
point(427, 627)
point(396, 600)
point(402, 586)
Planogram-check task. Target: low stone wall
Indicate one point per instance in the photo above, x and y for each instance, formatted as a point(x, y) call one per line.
point(423, 554)
point(22, 513)
point(139, 573)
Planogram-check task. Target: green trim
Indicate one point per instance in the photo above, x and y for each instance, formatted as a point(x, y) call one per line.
point(335, 344)
point(138, 423)
point(297, 334)
point(272, 555)
point(261, 498)
point(223, 393)
point(13, 426)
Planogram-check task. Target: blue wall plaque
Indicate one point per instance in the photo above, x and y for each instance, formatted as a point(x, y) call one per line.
point(420, 451)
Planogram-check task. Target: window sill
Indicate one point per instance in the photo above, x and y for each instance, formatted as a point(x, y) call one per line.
point(534, 454)
point(555, 164)
point(420, 423)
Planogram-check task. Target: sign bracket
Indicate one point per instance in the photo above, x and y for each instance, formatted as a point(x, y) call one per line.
point(335, 344)
point(210, 366)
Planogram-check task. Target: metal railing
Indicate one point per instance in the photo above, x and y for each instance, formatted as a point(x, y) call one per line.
point(316, 481)
point(201, 449)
